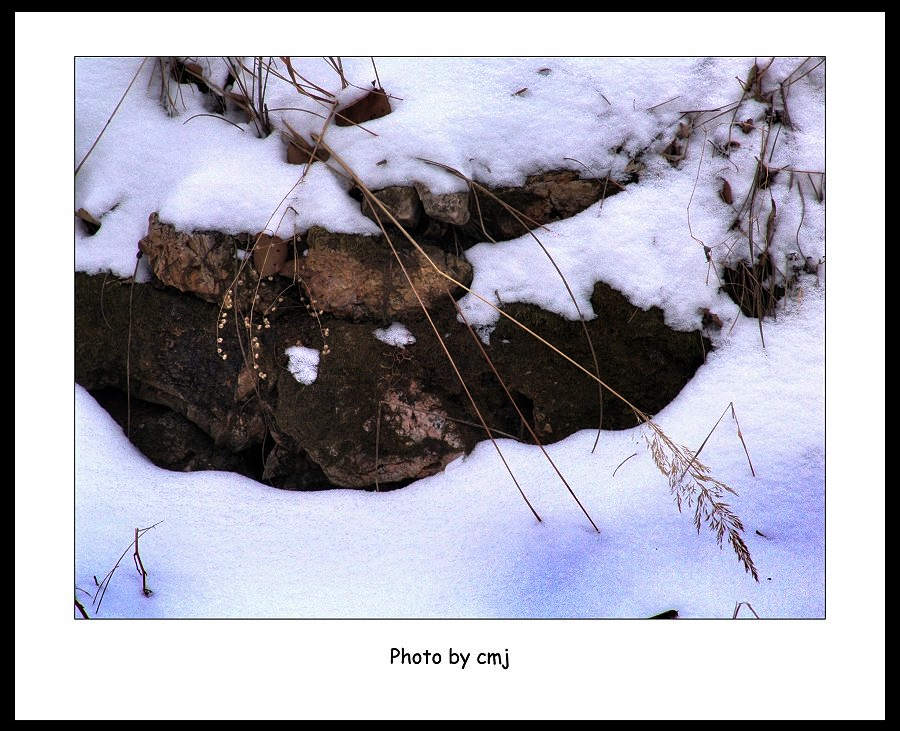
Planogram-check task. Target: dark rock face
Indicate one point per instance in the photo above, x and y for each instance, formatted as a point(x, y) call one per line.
point(638, 355)
point(173, 356)
point(209, 381)
point(375, 413)
point(170, 440)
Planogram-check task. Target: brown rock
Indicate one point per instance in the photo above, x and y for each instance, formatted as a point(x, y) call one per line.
point(334, 420)
point(91, 224)
point(447, 207)
point(544, 198)
point(347, 275)
point(201, 263)
point(403, 202)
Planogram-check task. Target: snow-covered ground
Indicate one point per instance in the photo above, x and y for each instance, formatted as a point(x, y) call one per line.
point(461, 543)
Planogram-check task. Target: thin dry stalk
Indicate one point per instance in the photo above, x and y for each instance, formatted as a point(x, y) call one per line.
point(740, 436)
point(214, 116)
point(437, 334)
point(139, 564)
point(802, 216)
point(522, 417)
point(80, 607)
point(338, 66)
point(375, 68)
point(806, 73)
point(524, 220)
point(623, 462)
point(128, 349)
point(737, 608)
point(103, 585)
point(378, 445)
point(706, 250)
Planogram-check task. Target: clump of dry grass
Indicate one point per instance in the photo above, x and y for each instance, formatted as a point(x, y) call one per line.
point(692, 485)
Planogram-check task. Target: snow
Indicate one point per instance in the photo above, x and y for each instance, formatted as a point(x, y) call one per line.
point(395, 334)
point(303, 364)
point(462, 543)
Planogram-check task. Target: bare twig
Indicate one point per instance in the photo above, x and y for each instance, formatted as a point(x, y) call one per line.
point(128, 348)
point(737, 608)
point(81, 609)
point(373, 202)
point(104, 585)
point(623, 462)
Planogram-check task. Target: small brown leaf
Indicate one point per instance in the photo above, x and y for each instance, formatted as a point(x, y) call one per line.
point(269, 253)
point(373, 105)
point(544, 71)
point(245, 383)
point(90, 223)
point(770, 224)
point(298, 151)
point(520, 91)
point(711, 320)
point(725, 192)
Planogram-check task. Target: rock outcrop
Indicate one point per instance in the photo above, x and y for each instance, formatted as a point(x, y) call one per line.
point(357, 277)
point(375, 414)
point(208, 373)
